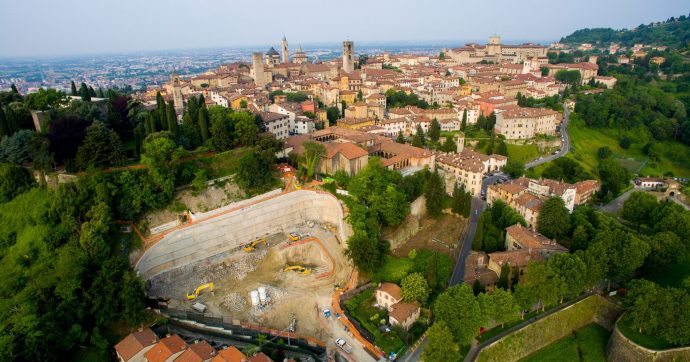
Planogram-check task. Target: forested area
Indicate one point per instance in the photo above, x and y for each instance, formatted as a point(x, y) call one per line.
point(673, 32)
point(68, 286)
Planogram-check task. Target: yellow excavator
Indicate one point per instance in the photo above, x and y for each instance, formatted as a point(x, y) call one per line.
point(252, 246)
point(299, 269)
point(197, 291)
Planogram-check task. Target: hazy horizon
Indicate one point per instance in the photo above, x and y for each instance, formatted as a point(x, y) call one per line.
point(39, 28)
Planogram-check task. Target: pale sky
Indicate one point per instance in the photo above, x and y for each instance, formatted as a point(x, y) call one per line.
point(73, 27)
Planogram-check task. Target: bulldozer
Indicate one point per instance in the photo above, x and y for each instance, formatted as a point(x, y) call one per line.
point(197, 291)
point(299, 269)
point(252, 246)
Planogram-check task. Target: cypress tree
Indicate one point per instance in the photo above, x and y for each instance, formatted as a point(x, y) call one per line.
point(203, 124)
point(84, 93)
point(463, 126)
point(4, 130)
point(400, 138)
point(149, 125)
point(202, 101)
point(92, 92)
point(193, 110)
point(138, 139)
point(99, 93)
point(11, 121)
point(74, 88)
point(14, 88)
point(172, 119)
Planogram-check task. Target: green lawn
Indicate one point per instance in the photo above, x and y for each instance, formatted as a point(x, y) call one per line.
point(642, 339)
point(361, 307)
point(523, 153)
point(393, 269)
point(585, 344)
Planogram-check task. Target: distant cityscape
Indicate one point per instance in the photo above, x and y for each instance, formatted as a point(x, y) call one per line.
point(143, 69)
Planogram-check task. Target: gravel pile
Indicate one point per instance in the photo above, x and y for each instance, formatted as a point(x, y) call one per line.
point(234, 302)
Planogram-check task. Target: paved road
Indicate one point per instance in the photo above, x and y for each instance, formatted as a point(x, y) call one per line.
point(478, 206)
point(565, 147)
point(616, 204)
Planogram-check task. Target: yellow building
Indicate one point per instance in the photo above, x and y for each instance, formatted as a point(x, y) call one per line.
point(236, 101)
point(348, 96)
point(355, 123)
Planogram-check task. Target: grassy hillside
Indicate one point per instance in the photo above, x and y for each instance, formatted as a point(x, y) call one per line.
point(586, 142)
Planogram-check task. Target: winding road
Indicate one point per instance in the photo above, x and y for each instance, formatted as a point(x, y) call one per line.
point(565, 147)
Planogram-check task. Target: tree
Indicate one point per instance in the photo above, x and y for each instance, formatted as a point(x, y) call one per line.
point(441, 346)
point(4, 127)
point(101, 147)
point(435, 194)
point(459, 310)
point(641, 303)
point(449, 145)
point(502, 148)
point(463, 125)
point(14, 180)
point(418, 140)
point(638, 208)
point(624, 252)
point(434, 130)
point(570, 77)
point(16, 149)
point(500, 306)
point(613, 177)
point(461, 203)
point(400, 138)
point(171, 116)
point(84, 93)
point(514, 168)
point(666, 249)
point(415, 288)
point(572, 270)
point(160, 155)
point(625, 143)
point(246, 130)
point(45, 99)
point(313, 151)
point(364, 252)
point(203, 124)
point(547, 287)
point(332, 113)
point(255, 170)
point(74, 88)
point(604, 152)
point(554, 220)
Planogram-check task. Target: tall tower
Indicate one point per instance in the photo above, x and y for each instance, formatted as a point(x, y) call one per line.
point(348, 50)
point(494, 46)
point(176, 91)
point(258, 69)
point(284, 50)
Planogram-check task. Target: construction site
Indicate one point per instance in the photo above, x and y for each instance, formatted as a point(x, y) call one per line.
point(273, 262)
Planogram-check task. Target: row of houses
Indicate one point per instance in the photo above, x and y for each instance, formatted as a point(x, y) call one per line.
point(144, 345)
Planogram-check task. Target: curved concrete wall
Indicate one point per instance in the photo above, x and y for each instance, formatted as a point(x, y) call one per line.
point(622, 349)
point(231, 230)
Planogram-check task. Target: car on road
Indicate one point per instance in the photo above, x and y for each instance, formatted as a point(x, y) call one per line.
point(343, 345)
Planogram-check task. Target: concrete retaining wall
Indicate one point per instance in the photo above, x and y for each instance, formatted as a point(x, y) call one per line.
point(620, 348)
point(229, 231)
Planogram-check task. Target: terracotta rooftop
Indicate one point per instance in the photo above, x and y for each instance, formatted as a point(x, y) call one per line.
point(391, 289)
point(230, 354)
point(197, 352)
point(530, 239)
point(167, 347)
point(528, 112)
point(518, 258)
point(260, 357)
point(401, 311)
point(135, 342)
point(347, 149)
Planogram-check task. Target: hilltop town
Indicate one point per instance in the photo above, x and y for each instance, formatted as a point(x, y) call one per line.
point(483, 202)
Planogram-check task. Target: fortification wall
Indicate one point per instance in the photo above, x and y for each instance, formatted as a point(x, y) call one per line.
point(620, 348)
point(234, 229)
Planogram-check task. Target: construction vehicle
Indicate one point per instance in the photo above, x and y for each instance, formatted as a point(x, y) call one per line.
point(298, 268)
point(197, 291)
point(293, 236)
point(252, 246)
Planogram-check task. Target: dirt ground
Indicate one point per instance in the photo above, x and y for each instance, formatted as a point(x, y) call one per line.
point(237, 273)
point(211, 198)
point(441, 235)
